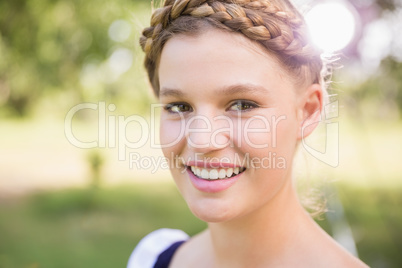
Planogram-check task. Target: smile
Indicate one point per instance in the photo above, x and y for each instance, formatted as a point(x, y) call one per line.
point(215, 173)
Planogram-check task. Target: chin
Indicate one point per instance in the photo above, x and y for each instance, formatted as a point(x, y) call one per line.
point(213, 210)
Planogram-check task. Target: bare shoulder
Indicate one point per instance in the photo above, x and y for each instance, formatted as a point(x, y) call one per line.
point(354, 262)
point(345, 259)
point(325, 253)
point(313, 247)
point(333, 255)
point(193, 253)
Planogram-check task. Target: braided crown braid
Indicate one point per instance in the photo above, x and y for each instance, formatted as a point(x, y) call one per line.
point(275, 24)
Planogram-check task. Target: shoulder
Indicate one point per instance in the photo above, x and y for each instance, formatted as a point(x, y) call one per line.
point(332, 254)
point(151, 246)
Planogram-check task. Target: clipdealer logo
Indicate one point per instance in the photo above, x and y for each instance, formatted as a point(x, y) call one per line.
point(112, 131)
point(152, 163)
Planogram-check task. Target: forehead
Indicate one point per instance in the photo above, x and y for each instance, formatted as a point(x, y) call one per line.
point(216, 59)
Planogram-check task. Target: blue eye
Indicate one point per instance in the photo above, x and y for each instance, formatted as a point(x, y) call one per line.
point(242, 105)
point(178, 108)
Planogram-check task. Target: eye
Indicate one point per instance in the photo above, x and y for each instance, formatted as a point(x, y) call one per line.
point(178, 108)
point(242, 105)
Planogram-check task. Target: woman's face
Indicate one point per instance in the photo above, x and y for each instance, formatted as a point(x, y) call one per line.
point(230, 123)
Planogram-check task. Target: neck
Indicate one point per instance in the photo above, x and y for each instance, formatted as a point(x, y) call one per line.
point(266, 234)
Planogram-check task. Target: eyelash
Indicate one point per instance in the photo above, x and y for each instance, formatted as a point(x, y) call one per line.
point(183, 107)
point(169, 107)
point(251, 105)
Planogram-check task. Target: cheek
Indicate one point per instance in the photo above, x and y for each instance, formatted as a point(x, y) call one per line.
point(172, 143)
point(264, 136)
point(256, 133)
point(285, 129)
point(171, 135)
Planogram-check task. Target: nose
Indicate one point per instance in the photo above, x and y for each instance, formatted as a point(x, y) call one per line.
point(206, 134)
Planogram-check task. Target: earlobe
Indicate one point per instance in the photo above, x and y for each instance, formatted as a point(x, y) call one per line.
point(310, 110)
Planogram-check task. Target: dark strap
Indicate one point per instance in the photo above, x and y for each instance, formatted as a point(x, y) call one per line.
point(166, 256)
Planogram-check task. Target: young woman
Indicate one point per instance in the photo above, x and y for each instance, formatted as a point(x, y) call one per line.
point(241, 86)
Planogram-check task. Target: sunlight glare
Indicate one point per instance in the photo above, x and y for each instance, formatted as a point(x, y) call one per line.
point(332, 25)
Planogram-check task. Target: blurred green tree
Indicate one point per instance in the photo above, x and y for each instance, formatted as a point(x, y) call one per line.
point(46, 45)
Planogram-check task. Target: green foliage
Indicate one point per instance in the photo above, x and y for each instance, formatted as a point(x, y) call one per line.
point(380, 96)
point(88, 228)
point(50, 46)
point(387, 4)
point(96, 162)
point(375, 218)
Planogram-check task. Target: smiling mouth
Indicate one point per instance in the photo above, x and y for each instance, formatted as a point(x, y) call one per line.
point(215, 173)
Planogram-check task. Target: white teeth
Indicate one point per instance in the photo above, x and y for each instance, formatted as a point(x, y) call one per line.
point(236, 170)
point(222, 174)
point(205, 174)
point(229, 172)
point(214, 174)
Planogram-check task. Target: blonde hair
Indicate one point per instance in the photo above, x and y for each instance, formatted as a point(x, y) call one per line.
point(276, 25)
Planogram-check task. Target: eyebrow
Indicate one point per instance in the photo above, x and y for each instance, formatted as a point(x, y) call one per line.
point(230, 90)
point(170, 92)
point(242, 89)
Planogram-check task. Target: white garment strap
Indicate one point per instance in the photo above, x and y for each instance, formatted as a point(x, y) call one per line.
point(152, 245)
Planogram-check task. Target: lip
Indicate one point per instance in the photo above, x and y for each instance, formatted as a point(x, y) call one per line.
point(212, 186)
point(202, 164)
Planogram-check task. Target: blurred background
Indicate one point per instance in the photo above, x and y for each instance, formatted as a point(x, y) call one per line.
point(78, 185)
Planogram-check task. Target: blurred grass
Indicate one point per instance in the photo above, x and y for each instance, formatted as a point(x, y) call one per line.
point(100, 227)
point(87, 228)
point(376, 219)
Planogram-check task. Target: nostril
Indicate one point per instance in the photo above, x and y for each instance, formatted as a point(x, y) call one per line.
point(203, 138)
point(198, 141)
point(220, 140)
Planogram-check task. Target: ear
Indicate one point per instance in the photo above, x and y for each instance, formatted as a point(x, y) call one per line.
point(309, 114)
